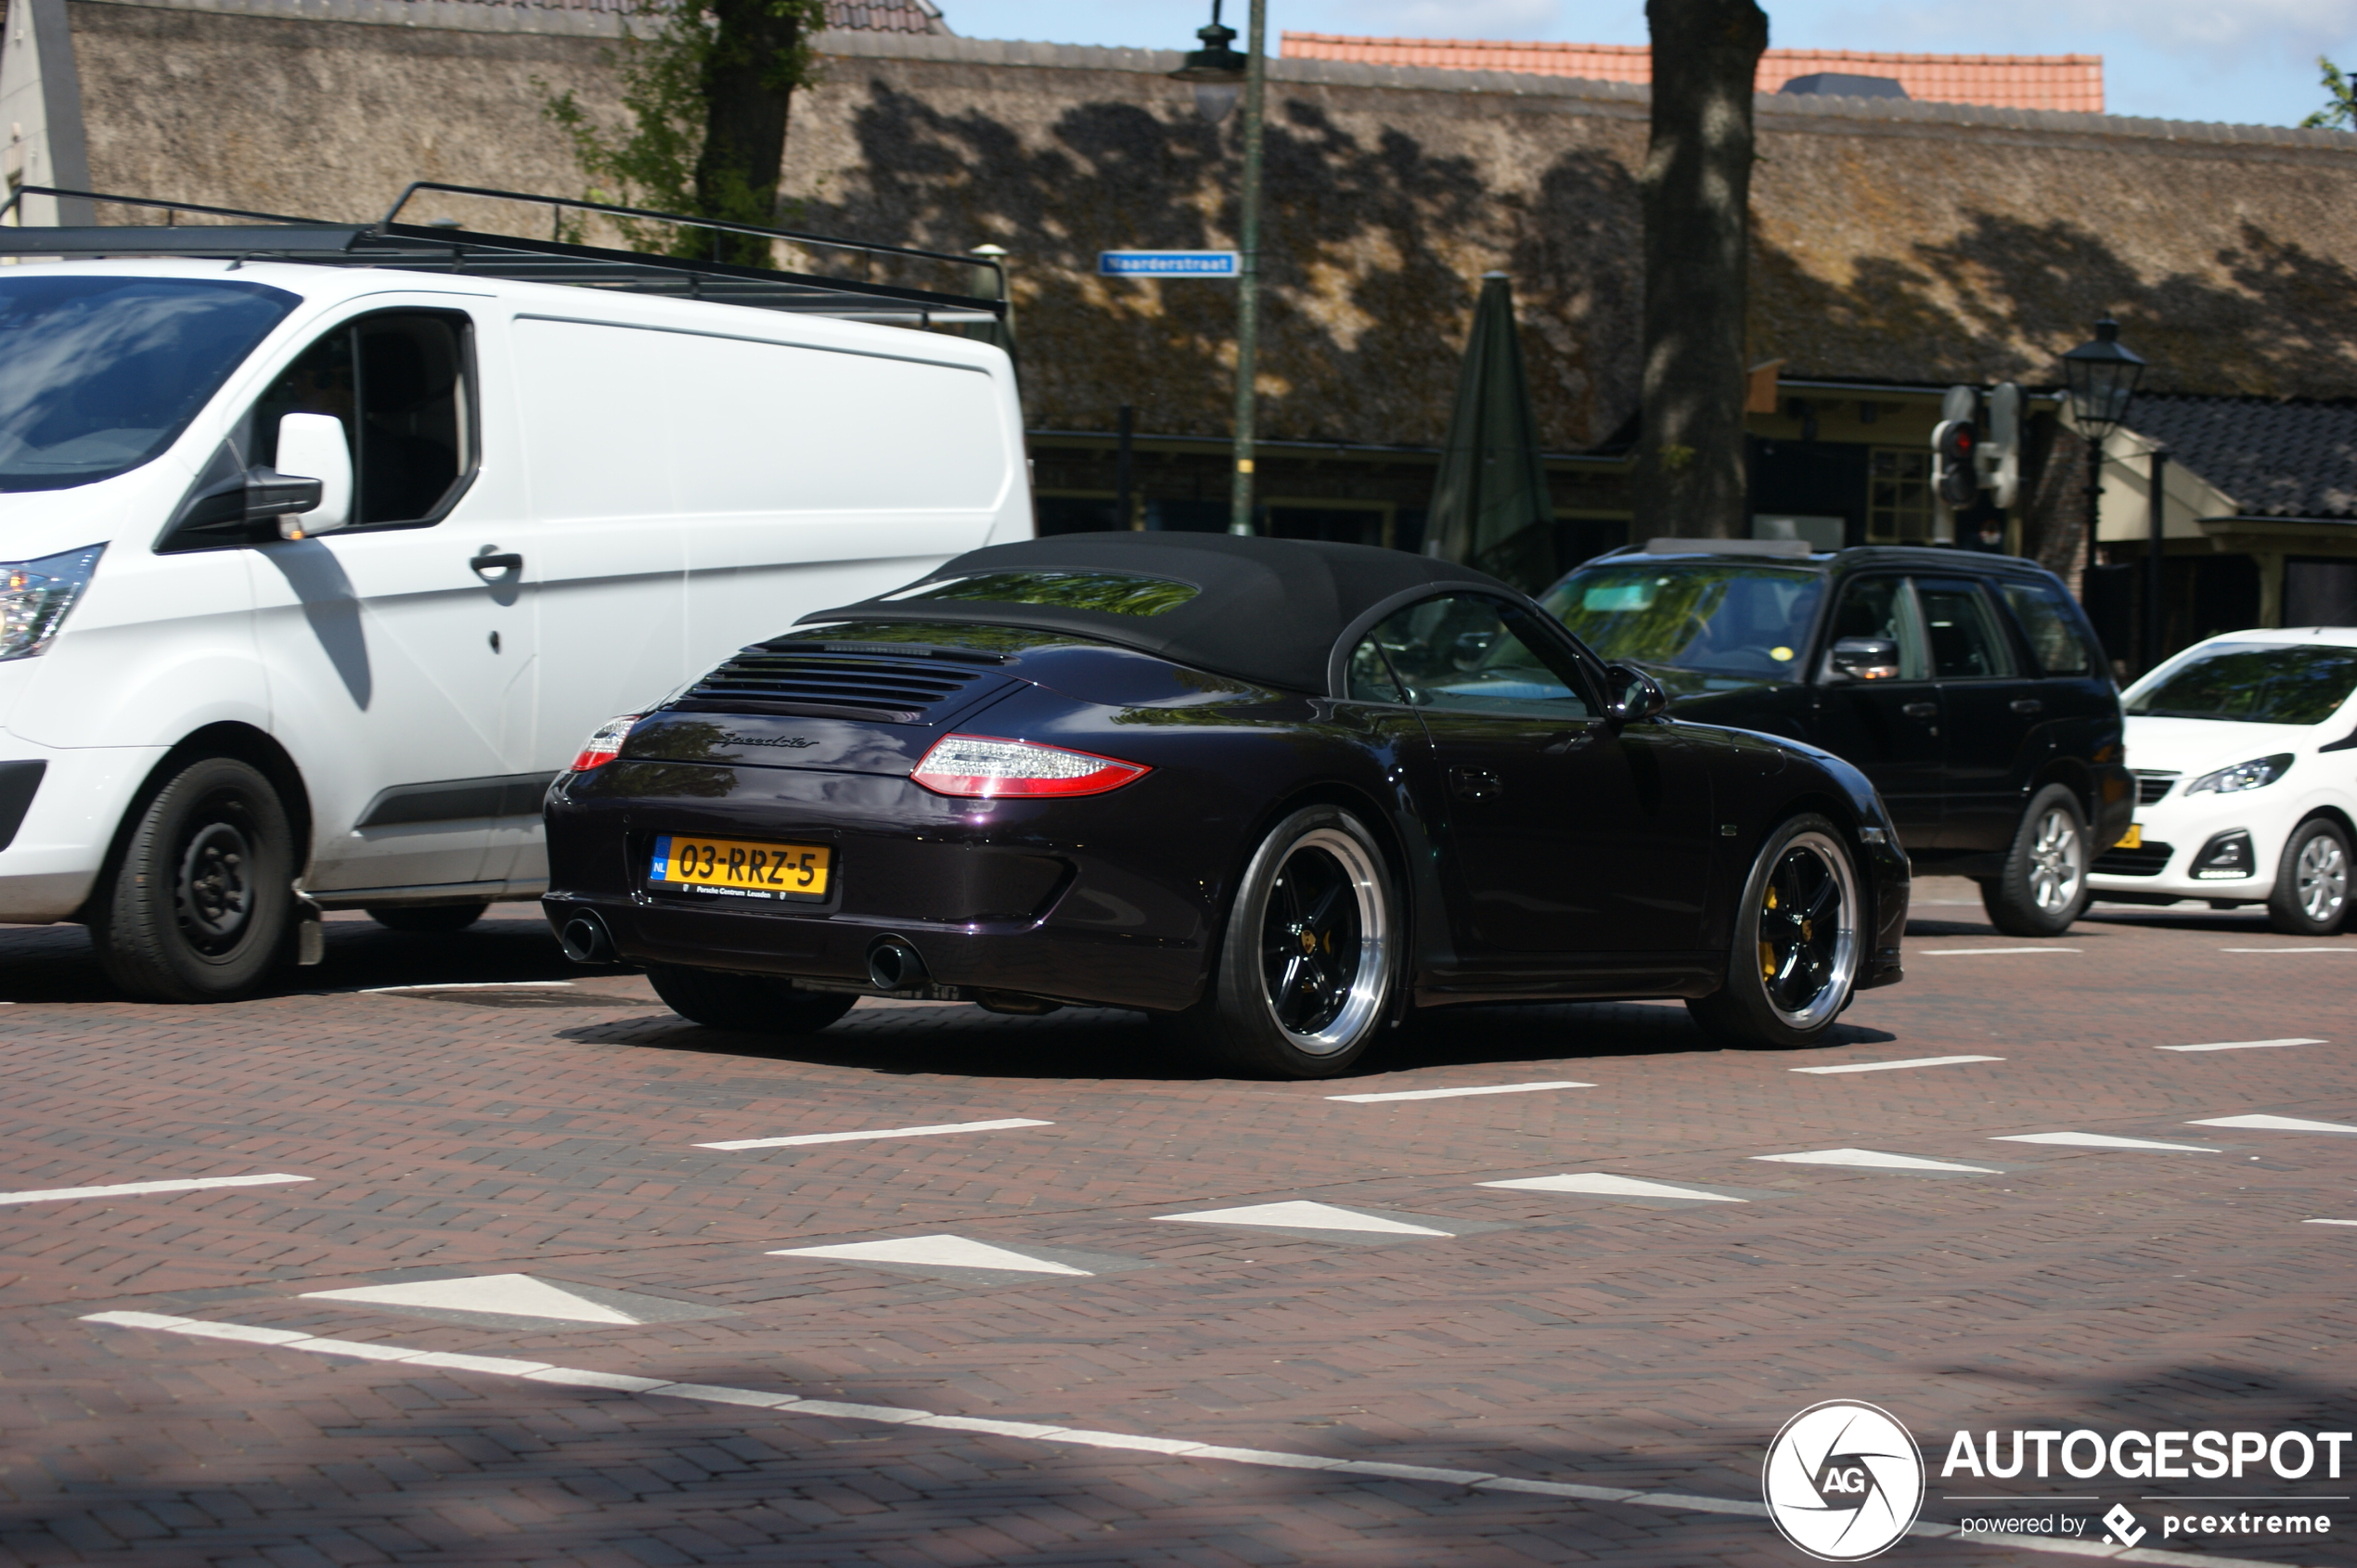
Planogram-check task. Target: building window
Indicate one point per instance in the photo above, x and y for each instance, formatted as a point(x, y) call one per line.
point(1898, 503)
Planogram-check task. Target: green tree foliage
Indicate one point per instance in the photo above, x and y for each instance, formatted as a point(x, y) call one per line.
point(2340, 100)
point(708, 85)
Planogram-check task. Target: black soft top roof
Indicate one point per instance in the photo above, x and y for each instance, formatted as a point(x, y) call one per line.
point(1268, 611)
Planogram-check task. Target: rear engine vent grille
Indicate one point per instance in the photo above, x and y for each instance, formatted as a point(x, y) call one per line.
point(2145, 860)
point(767, 679)
point(2150, 787)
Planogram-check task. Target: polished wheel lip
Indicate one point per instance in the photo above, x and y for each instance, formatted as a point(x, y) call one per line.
point(214, 888)
point(1840, 955)
point(1362, 999)
point(2057, 861)
point(2320, 877)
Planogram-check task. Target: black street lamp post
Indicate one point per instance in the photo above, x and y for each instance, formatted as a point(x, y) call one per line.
point(1217, 71)
point(2102, 377)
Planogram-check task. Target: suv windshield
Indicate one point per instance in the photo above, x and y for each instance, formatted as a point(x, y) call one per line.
point(97, 375)
point(1735, 625)
point(2254, 683)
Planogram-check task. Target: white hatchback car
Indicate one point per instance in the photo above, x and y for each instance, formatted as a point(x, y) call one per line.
point(2244, 751)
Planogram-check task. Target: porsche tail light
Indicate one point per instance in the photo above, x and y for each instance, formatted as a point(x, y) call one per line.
point(981, 765)
point(605, 745)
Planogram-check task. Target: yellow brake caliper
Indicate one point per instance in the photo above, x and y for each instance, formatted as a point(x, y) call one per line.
point(1767, 953)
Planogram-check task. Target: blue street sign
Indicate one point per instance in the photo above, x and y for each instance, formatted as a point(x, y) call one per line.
point(1167, 264)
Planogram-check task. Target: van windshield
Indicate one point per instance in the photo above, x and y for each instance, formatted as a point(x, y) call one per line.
point(97, 375)
point(1733, 624)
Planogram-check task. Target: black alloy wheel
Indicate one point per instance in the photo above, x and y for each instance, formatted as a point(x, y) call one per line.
point(1798, 939)
point(198, 904)
point(749, 1004)
point(1303, 976)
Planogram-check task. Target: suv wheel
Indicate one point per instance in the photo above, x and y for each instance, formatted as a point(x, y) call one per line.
point(2312, 881)
point(2044, 886)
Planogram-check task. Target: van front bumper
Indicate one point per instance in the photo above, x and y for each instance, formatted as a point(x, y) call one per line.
point(49, 865)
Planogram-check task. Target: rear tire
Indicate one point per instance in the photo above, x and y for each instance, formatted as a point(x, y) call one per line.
point(1303, 975)
point(2312, 881)
point(427, 920)
point(199, 906)
point(2044, 886)
point(747, 1003)
point(1798, 945)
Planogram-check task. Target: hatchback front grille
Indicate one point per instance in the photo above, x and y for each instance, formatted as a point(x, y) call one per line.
point(813, 680)
point(2145, 860)
point(2150, 787)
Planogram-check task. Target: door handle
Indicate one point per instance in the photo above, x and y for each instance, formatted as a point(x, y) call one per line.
point(1475, 784)
point(1921, 710)
point(485, 565)
point(2027, 705)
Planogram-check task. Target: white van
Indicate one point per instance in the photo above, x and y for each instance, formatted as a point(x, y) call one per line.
point(318, 573)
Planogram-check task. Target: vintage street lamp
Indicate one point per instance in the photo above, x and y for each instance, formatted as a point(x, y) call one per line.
point(1216, 70)
point(2102, 377)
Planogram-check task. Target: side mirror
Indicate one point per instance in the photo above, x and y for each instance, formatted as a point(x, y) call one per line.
point(311, 490)
point(1636, 695)
point(1866, 659)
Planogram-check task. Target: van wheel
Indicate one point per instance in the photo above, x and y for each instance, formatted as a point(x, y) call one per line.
point(750, 1004)
point(2311, 880)
point(427, 920)
point(1795, 959)
point(198, 908)
point(2043, 885)
point(1304, 973)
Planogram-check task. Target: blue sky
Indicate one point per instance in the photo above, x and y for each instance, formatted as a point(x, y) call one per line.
point(2249, 61)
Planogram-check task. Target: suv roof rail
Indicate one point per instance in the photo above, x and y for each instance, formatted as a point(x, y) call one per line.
point(432, 247)
point(1669, 547)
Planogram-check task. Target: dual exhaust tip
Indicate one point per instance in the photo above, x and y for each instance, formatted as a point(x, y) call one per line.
point(893, 965)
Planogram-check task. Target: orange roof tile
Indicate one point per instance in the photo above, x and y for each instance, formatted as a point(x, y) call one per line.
point(2070, 83)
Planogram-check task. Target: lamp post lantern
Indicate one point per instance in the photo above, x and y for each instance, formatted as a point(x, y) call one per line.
point(1216, 70)
point(2102, 377)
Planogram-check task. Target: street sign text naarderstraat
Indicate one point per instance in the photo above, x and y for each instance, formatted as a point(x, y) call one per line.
point(1167, 264)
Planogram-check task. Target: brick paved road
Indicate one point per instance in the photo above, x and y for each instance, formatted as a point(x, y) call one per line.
point(1648, 1346)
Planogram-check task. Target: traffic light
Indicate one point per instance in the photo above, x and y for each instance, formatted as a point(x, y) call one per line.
point(1955, 475)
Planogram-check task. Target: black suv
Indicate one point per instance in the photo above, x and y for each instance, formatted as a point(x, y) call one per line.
point(1969, 687)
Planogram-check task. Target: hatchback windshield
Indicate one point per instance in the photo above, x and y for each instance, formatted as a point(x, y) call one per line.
point(2254, 683)
point(97, 375)
point(1743, 624)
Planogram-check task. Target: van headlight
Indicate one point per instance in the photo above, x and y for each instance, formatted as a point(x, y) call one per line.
point(2256, 774)
point(36, 595)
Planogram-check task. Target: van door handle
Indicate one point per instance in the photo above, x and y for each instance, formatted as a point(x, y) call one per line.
point(2027, 705)
point(1921, 710)
point(485, 565)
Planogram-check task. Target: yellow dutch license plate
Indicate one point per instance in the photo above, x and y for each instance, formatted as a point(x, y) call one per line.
point(742, 868)
point(2135, 838)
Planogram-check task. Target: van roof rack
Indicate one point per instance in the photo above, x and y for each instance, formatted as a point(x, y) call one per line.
point(388, 242)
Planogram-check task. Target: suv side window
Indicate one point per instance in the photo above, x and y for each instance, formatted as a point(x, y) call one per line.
point(2046, 620)
point(1960, 627)
point(399, 381)
point(1881, 606)
point(1467, 653)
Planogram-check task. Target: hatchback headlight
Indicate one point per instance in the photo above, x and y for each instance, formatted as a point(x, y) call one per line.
point(2256, 774)
point(35, 595)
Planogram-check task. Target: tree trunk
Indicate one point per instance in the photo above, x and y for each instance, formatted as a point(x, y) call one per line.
point(760, 53)
point(1696, 190)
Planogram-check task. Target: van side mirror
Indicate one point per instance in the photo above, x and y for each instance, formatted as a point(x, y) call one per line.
point(1636, 695)
point(310, 491)
point(1866, 659)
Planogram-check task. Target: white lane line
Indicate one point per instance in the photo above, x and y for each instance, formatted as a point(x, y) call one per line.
point(2099, 1140)
point(1964, 952)
point(1871, 1160)
point(935, 1252)
point(1302, 1215)
point(1886, 1066)
point(934, 1131)
point(2276, 1125)
point(1607, 1186)
point(2288, 949)
point(474, 985)
point(2239, 1045)
point(135, 1189)
point(1454, 1094)
point(2328, 1222)
point(1061, 1436)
